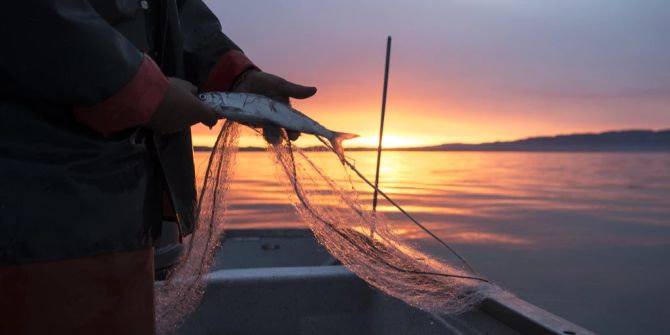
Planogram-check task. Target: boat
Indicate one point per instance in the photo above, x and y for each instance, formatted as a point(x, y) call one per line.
point(282, 281)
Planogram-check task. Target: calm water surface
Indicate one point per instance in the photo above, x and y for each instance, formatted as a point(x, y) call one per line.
point(583, 235)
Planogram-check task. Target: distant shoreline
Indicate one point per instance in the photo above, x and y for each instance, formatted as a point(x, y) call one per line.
point(612, 141)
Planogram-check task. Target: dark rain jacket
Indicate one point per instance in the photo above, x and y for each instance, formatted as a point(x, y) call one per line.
point(79, 175)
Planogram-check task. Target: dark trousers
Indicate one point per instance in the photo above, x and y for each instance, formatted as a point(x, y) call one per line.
point(103, 294)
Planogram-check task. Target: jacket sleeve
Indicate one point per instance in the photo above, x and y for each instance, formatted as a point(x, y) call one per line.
point(212, 60)
point(63, 52)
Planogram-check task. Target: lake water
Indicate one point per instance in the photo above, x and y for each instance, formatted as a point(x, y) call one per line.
point(583, 235)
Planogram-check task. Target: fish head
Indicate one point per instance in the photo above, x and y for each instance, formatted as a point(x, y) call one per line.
point(212, 99)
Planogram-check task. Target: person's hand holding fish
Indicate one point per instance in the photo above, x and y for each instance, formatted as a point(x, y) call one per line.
point(259, 111)
point(180, 109)
point(274, 87)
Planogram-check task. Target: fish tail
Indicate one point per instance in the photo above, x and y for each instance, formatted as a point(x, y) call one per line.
point(336, 142)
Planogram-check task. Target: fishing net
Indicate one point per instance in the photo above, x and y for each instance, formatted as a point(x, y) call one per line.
point(185, 285)
point(363, 241)
point(368, 245)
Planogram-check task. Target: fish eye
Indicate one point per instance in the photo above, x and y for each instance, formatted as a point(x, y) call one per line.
point(201, 96)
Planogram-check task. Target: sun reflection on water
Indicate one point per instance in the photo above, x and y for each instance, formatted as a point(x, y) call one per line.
point(569, 232)
point(486, 198)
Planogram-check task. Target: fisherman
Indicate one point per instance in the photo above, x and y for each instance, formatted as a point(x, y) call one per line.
point(96, 101)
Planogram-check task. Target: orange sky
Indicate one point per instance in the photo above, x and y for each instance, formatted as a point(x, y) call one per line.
point(493, 72)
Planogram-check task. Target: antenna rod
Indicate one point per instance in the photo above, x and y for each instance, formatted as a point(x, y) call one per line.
point(381, 127)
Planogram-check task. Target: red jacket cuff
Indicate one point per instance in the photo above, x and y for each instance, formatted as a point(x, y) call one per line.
point(131, 106)
point(230, 65)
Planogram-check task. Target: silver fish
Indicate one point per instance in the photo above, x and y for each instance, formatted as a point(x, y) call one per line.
point(257, 111)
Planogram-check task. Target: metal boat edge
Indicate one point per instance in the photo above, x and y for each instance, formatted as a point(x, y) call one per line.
point(281, 281)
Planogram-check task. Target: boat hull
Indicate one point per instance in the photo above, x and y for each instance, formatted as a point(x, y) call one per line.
point(281, 281)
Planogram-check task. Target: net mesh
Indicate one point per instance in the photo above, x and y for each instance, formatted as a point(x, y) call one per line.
point(363, 241)
point(180, 293)
point(368, 245)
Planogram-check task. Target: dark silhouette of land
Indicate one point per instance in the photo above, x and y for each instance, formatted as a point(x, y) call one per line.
point(624, 140)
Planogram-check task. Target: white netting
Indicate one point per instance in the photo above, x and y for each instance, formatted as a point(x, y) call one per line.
point(181, 292)
point(365, 242)
point(368, 245)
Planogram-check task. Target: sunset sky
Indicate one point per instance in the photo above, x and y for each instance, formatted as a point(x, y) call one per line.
point(463, 70)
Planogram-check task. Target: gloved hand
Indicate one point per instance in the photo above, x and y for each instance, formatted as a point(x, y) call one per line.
point(280, 89)
point(180, 109)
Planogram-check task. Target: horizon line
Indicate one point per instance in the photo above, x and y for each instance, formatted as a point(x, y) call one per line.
point(436, 146)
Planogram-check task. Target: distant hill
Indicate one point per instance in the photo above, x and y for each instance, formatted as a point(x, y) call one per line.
point(624, 140)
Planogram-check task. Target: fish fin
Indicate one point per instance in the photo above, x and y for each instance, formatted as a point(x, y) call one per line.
point(336, 142)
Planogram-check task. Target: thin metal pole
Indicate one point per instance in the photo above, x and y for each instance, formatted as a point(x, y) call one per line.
point(381, 126)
